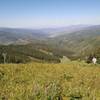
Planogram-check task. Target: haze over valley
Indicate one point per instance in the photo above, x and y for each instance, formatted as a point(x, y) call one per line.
point(71, 41)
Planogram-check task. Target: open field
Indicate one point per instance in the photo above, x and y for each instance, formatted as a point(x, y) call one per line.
point(37, 81)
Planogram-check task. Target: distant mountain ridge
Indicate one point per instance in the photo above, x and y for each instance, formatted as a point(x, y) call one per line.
point(72, 35)
point(73, 41)
point(13, 35)
point(82, 42)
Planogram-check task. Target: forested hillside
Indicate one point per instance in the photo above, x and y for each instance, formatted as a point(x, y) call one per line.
point(26, 53)
point(25, 45)
point(82, 43)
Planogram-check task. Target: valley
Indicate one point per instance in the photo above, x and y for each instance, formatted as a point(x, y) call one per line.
point(74, 42)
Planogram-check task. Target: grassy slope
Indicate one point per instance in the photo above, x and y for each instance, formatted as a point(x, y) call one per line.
point(37, 81)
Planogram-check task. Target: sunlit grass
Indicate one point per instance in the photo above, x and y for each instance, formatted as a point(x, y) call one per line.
point(37, 81)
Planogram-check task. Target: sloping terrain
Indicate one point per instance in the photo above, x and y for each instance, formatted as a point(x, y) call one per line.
point(20, 36)
point(26, 53)
point(74, 42)
point(25, 36)
point(81, 41)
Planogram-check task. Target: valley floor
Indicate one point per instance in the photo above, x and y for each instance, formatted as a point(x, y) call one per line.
point(37, 81)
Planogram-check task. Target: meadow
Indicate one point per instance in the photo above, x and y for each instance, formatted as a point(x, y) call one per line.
point(44, 81)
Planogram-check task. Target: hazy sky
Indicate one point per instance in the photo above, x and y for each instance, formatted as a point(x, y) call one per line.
point(48, 13)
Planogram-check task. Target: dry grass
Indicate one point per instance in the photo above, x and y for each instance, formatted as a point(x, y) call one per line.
point(37, 81)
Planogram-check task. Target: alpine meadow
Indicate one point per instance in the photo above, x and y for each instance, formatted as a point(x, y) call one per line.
point(49, 50)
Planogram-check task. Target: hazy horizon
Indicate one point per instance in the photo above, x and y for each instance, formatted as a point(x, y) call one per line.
point(48, 13)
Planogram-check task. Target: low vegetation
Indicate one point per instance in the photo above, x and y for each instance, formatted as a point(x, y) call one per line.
point(69, 80)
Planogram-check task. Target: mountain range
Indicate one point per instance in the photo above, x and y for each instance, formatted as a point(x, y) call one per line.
point(24, 36)
point(74, 41)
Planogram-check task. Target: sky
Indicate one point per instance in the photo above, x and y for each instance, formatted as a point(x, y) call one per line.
point(48, 13)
